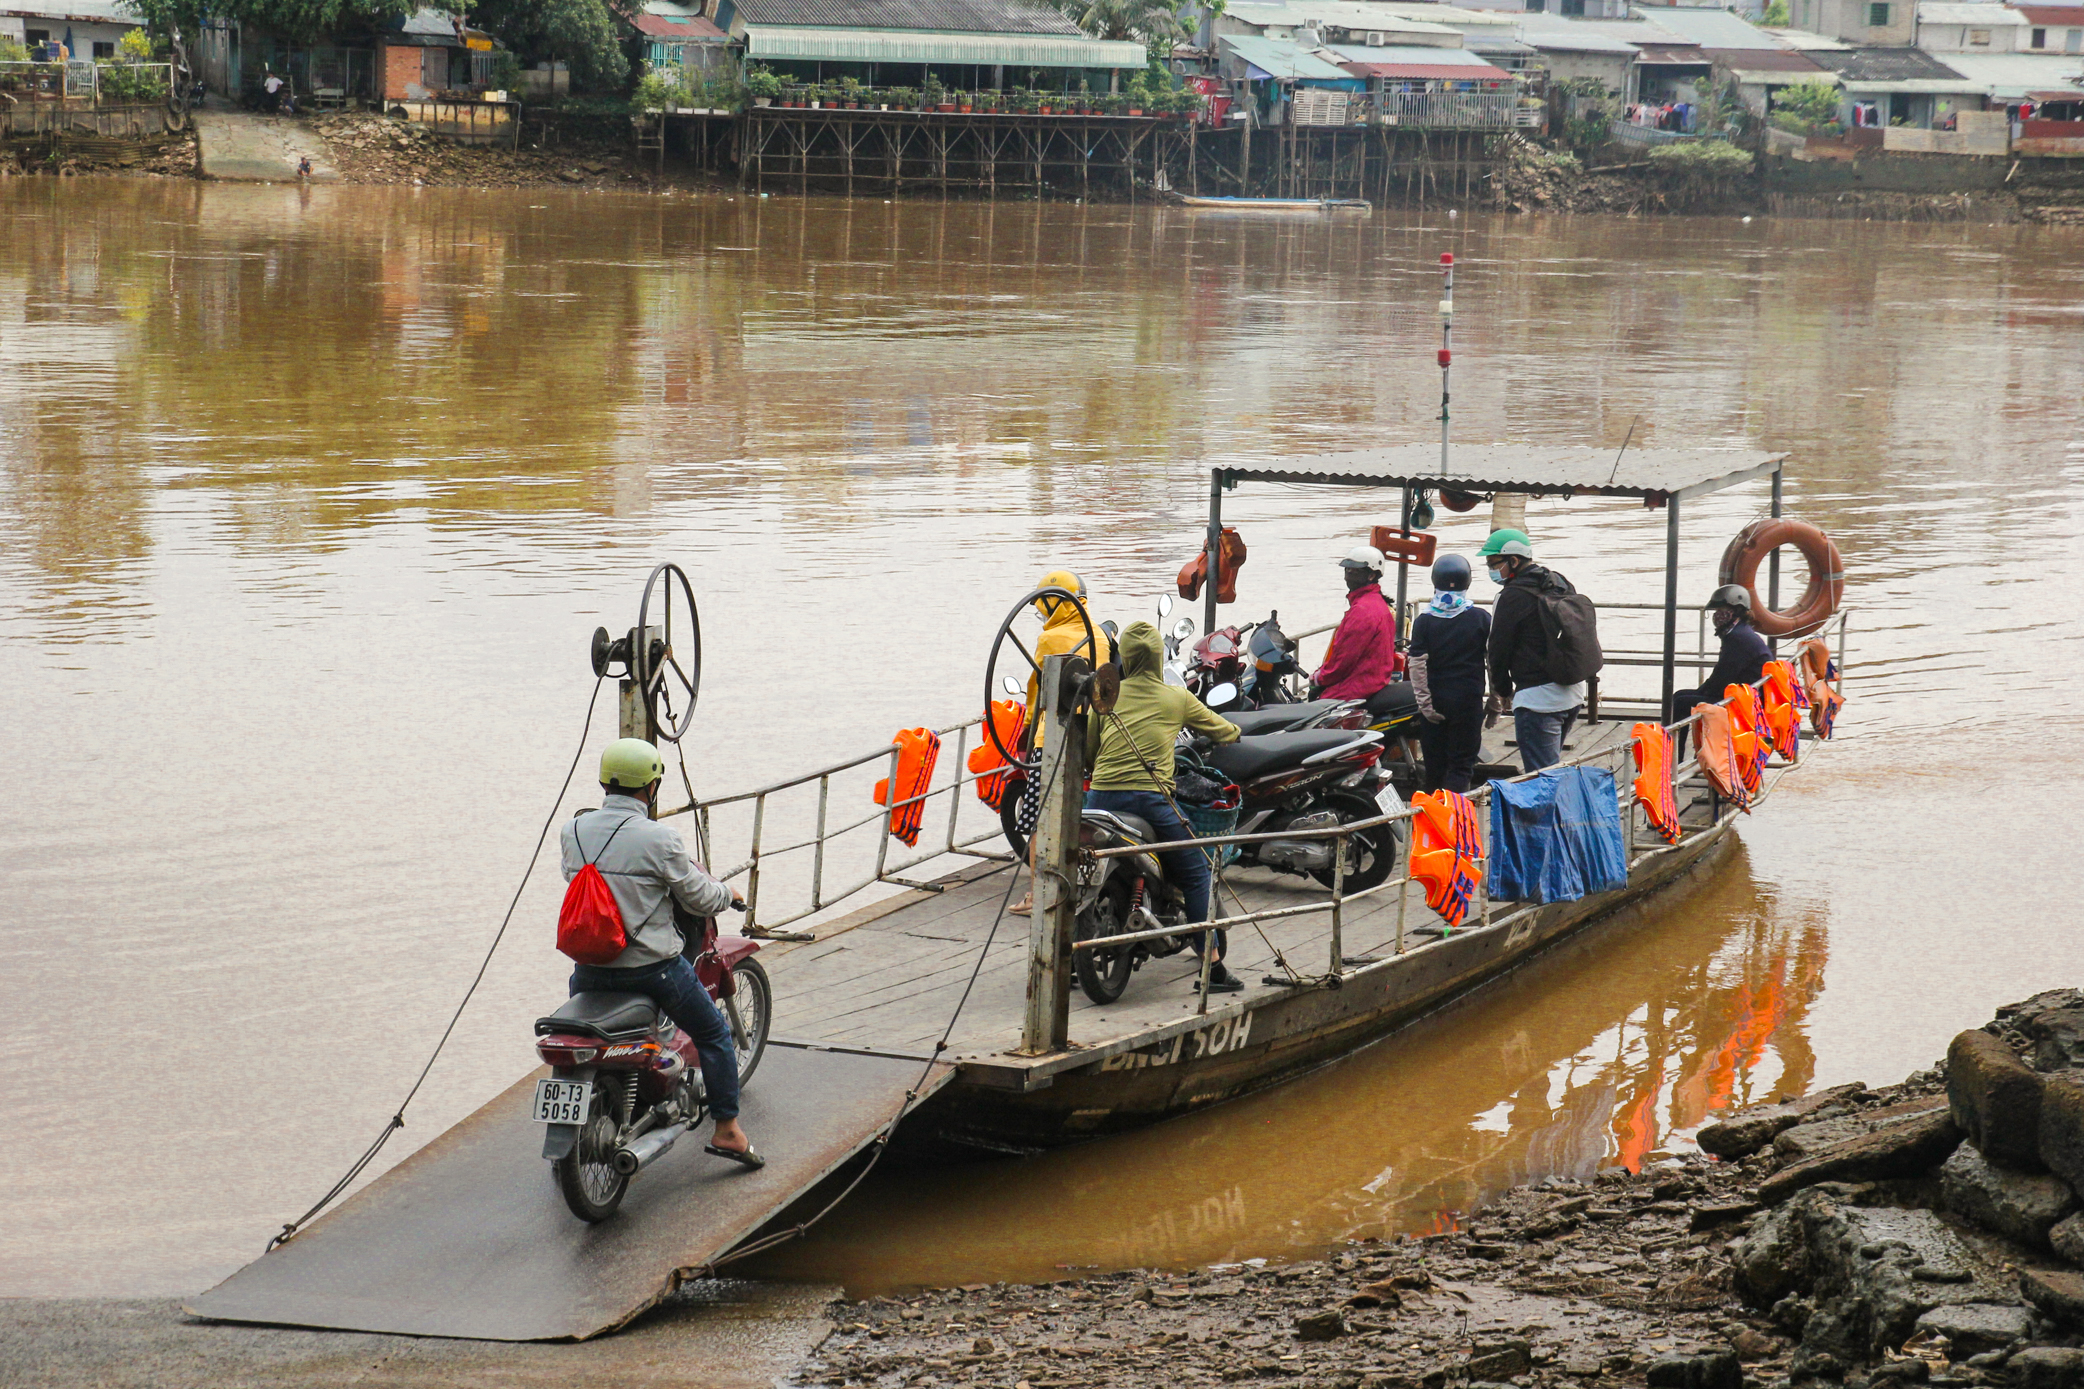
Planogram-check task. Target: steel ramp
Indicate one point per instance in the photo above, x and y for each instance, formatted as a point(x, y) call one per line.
point(469, 1238)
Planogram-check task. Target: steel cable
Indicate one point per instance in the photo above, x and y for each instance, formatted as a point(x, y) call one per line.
point(397, 1120)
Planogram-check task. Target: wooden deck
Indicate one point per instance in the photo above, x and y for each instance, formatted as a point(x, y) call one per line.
point(888, 977)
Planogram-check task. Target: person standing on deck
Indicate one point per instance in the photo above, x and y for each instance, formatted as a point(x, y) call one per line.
point(1542, 711)
point(1063, 634)
point(1742, 660)
point(1131, 752)
point(1363, 652)
point(1448, 642)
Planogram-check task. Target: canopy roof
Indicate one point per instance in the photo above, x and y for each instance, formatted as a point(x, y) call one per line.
point(806, 42)
point(1282, 59)
point(1532, 468)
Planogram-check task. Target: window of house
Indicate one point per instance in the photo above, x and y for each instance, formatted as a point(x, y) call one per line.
point(2040, 38)
point(104, 50)
point(1978, 38)
point(1878, 16)
point(36, 36)
point(2073, 41)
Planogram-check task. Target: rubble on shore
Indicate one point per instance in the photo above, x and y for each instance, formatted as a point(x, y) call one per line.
point(1925, 1233)
point(369, 148)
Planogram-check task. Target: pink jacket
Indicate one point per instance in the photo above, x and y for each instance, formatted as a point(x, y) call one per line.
point(1363, 652)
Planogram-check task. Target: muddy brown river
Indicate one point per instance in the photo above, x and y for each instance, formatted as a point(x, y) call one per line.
point(309, 499)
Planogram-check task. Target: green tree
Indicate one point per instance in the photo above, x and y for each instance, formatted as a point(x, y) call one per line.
point(1805, 107)
point(302, 20)
point(1156, 24)
point(583, 33)
point(1775, 16)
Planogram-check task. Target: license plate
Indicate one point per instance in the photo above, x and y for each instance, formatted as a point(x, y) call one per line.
point(562, 1101)
point(1387, 800)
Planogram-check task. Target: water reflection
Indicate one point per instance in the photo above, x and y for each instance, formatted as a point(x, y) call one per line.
point(1603, 1053)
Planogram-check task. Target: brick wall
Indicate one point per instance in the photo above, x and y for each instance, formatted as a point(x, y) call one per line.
point(401, 67)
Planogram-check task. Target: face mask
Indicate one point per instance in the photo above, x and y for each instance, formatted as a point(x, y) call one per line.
point(1497, 574)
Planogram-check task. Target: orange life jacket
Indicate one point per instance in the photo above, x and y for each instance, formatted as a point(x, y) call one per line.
point(1230, 553)
point(1008, 716)
point(1749, 740)
point(1446, 852)
point(1783, 720)
point(1714, 742)
point(1818, 671)
point(1653, 780)
point(917, 751)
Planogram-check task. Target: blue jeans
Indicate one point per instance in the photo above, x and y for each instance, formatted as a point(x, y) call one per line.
point(1186, 869)
point(1541, 736)
point(676, 988)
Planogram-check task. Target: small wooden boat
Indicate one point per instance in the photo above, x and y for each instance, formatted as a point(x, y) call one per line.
point(1282, 204)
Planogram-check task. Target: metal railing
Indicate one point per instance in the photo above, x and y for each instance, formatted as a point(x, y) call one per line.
point(1499, 110)
point(1684, 774)
point(79, 82)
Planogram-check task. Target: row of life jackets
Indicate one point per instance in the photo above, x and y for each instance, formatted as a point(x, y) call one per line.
point(1446, 852)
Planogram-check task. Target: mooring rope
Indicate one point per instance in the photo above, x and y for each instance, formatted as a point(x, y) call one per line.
point(397, 1120)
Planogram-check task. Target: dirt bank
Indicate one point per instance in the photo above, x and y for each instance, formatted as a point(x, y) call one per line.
point(1851, 1237)
point(372, 149)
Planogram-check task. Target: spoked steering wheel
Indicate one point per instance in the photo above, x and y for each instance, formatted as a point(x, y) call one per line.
point(1031, 761)
point(668, 667)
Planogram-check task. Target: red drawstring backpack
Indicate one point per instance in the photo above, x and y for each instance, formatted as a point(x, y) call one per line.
point(589, 925)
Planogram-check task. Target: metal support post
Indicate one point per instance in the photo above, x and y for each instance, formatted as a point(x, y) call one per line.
point(1671, 599)
point(1403, 566)
point(1773, 560)
point(817, 856)
point(1214, 548)
point(1338, 903)
point(1048, 1024)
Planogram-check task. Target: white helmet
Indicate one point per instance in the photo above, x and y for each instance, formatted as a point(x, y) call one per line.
point(1363, 557)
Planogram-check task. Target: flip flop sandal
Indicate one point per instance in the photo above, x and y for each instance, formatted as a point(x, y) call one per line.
point(745, 1157)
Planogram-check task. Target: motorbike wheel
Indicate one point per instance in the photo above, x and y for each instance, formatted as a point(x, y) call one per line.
point(1104, 974)
point(751, 1013)
point(1371, 854)
point(587, 1176)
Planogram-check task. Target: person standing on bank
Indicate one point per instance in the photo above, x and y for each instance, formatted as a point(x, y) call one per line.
point(1544, 647)
point(1449, 640)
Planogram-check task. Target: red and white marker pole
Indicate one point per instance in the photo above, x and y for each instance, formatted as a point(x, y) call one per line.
point(1446, 345)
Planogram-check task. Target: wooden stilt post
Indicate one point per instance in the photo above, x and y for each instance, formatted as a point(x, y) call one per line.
point(1048, 1024)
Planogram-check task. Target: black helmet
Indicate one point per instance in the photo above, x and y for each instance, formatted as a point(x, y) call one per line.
point(1733, 596)
point(1451, 574)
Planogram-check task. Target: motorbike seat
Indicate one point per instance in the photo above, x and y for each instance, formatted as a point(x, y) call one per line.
point(1134, 824)
point(1248, 758)
point(611, 1017)
point(1277, 718)
point(1394, 700)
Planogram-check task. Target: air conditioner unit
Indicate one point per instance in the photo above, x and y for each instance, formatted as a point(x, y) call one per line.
point(1376, 38)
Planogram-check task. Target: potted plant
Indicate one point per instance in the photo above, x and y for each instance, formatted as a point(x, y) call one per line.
point(965, 103)
point(1046, 104)
point(1139, 94)
point(902, 98)
point(850, 93)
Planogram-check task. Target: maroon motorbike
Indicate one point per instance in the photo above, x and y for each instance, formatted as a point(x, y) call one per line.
point(625, 1082)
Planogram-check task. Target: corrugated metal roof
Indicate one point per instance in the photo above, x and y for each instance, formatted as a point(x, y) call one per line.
point(1708, 28)
point(807, 43)
point(1530, 468)
point(1884, 65)
point(1413, 53)
point(942, 16)
point(1345, 14)
point(1262, 15)
point(2010, 76)
point(1494, 43)
point(1565, 36)
point(1452, 16)
point(1762, 60)
point(75, 11)
point(1280, 58)
point(685, 28)
point(2053, 15)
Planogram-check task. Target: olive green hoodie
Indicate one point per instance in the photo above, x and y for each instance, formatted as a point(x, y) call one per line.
point(1152, 713)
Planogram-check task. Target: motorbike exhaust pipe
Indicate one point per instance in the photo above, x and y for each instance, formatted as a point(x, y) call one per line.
point(644, 1151)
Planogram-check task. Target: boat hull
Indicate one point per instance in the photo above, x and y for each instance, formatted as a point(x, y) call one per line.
point(1240, 1049)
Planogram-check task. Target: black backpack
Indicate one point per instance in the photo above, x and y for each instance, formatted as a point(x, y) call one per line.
point(1570, 636)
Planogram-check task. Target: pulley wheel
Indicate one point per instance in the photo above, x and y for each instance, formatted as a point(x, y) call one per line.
point(667, 666)
point(1032, 666)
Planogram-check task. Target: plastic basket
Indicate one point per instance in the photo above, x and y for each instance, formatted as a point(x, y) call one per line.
point(1213, 819)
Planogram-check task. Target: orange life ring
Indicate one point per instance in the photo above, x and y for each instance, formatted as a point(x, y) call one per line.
point(1749, 547)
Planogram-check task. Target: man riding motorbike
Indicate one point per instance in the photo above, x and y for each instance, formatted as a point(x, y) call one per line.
point(648, 871)
point(1131, 751)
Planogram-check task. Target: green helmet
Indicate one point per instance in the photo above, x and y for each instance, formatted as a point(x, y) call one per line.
point(631, 764)
point(1508, 542)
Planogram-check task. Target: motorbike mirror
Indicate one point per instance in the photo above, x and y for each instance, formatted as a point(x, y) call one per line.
point(1183, 629)
point(1221, 694)
point(1014, 687)
point(1164, 606)
point(1110, 629)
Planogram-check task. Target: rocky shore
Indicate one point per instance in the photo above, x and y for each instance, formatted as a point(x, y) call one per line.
point(1927, 1233)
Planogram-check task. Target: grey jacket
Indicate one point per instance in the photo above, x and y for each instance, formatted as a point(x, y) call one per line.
point(647, 869)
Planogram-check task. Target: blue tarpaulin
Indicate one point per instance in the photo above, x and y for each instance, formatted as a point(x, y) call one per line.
point(1556, 837)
